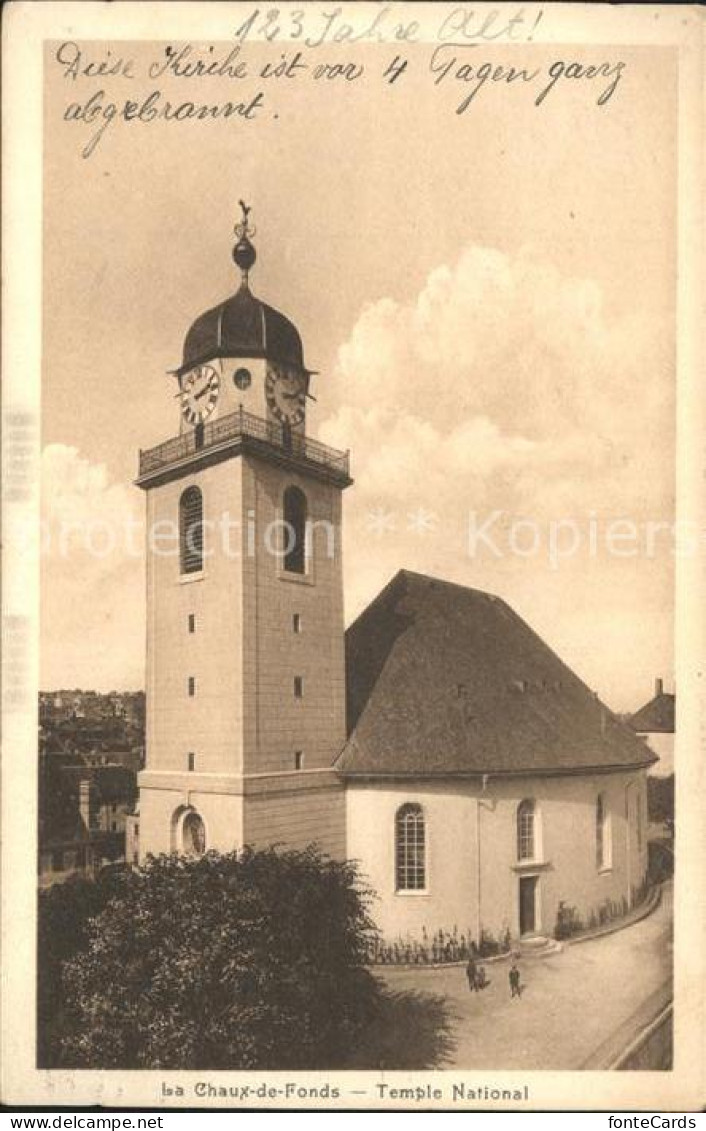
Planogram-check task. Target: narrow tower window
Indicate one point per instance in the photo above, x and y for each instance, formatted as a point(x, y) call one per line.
point(192, 623)
point(192, 685)
point(410, 849)
point(525, 830)
point(298, 760)
point(298, 687)
point(192, 761)
point(603, 842)
point(295, 530)
point(297, 623)
point(191, 530)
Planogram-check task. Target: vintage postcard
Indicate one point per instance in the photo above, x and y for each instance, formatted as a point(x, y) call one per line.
point(353, 500)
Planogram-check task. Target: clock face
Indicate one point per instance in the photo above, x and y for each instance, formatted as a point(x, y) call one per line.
point(199, 393)
point(285, 390)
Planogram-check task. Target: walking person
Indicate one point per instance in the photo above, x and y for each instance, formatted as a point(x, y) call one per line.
point(514, 976)
point(472, 975)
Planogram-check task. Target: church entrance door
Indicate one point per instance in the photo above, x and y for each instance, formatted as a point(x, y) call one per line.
point(528, 900)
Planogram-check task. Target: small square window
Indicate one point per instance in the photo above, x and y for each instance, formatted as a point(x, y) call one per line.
point(192, 622)
point(299, 760)
point(298, 687)
point(192, 685)
point(297, 622)
point(192, 760)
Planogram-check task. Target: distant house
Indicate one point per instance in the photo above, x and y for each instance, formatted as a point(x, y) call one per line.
point(132, 837)
point(91, 747)
point(83, 813)
point(130, 759)
point(655, 723)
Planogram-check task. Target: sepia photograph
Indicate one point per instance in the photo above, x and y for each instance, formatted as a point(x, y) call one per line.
point(350, 713)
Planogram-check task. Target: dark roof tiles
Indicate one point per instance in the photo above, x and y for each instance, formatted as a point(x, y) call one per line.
point(243, 326)
point(442, 679)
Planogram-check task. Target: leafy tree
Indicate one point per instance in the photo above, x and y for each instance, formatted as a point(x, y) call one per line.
point(660, 799)
point(64, 913)
point(250, 960)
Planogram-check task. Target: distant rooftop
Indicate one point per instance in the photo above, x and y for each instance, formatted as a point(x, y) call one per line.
point(657, 716)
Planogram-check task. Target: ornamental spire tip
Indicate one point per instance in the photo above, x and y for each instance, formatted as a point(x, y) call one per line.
point(244, 253)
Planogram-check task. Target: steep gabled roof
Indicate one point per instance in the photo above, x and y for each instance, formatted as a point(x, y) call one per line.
point(655, 716)
point(442, 679)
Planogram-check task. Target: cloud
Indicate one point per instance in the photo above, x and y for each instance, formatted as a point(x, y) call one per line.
point(92, 575)
point(504, 377)
point(504, 385)
point(503, 357)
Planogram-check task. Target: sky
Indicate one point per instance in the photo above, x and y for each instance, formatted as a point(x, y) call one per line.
point(488, 299)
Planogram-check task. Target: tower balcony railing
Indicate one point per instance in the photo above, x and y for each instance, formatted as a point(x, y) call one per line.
point(251, 431)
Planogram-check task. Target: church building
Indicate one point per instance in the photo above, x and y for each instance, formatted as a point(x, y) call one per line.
point(439, 742)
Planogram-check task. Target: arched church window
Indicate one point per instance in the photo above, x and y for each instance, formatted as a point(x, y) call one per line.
point(295, 530)
point(410, 848)
point(191, 530)
point(193, 835)
point(603, 842)
point(526, 830)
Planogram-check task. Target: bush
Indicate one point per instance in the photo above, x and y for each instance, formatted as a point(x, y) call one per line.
point(568, 921)
point(64, 913)
point(489, 946)
point(443, 946)
point(661, 862)
point(660, 799)
point(240, 961)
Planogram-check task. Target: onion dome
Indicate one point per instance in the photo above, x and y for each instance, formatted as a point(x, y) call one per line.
point(243, 326)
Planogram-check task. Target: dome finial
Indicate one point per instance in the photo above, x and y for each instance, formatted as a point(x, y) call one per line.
point(244, 253)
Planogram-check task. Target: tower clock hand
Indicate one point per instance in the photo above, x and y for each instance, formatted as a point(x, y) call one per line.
point(197, 396)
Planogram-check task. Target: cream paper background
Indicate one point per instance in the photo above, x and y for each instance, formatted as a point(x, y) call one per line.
point(27, 30)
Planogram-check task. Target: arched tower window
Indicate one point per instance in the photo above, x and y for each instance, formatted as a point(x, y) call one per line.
point(603, 842)
point(191, 530)
point(410, 849)
point(526, 830)
point(193, 835)
point(295, 530)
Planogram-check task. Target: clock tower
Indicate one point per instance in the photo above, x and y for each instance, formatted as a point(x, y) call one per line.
point(245, 636)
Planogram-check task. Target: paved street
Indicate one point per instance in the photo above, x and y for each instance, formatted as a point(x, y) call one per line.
point(572, 1002)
